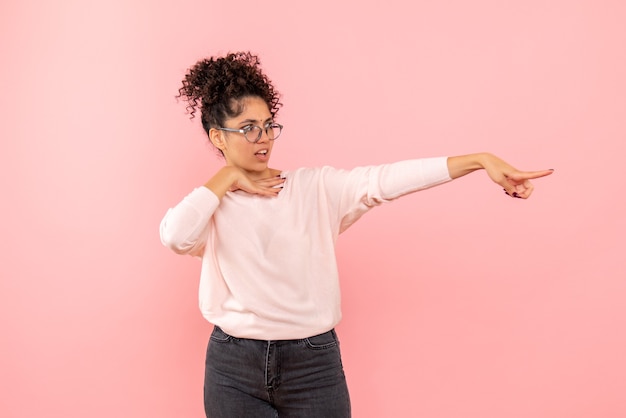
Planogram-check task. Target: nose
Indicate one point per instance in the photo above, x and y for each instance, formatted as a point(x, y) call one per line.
point(264, 136)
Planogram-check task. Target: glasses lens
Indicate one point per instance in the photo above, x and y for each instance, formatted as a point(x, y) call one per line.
point(253, 134)
point(273, 131)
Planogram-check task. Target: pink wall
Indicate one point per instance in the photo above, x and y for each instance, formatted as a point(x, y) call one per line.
point(458, 302)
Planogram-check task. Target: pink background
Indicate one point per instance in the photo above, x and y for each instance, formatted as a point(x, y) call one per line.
point(458, 302)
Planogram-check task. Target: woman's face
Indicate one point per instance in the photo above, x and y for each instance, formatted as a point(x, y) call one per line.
point(253, 158)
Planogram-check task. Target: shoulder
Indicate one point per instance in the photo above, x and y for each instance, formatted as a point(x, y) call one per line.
point(311, 174)
point(310, 171)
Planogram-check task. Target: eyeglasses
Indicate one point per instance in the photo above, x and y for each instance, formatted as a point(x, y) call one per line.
point(253, 133)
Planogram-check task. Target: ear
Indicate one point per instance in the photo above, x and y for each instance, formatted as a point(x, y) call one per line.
point(217, 139)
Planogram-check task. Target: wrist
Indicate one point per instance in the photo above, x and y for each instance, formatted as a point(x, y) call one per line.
point(482, 160)
point(223, 181)
point(462, 165)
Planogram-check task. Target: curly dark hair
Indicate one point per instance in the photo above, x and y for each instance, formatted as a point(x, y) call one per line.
point(216, 85)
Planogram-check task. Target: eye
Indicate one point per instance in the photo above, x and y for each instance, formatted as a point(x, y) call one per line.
point(248, 128)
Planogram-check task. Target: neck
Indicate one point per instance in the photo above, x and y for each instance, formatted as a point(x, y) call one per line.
point(263, 174)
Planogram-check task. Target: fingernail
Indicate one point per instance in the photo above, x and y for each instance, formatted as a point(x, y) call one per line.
point(515, 194)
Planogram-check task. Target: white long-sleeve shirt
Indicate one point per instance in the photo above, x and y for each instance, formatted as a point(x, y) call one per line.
point(269, 270)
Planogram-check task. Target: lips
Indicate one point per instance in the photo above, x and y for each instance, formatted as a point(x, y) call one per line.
point(262, 154)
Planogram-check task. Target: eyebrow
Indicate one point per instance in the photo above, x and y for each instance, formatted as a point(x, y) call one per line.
point(247, 121)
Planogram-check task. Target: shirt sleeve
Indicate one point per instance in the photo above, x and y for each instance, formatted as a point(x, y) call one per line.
point(185, 227)
point(351, 193)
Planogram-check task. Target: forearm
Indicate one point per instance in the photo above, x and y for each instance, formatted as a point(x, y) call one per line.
point(462, 165)
point(222, 181)
point(183, 229)
point(373, 185)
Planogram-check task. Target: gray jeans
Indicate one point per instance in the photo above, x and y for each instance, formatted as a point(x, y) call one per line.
point(285, 378)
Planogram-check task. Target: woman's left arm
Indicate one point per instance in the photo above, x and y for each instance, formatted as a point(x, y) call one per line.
point(515, 183)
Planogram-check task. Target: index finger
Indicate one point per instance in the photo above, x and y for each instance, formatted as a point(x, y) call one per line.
point(529, 175)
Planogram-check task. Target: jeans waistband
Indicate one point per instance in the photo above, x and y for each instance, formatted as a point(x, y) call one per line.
point(295, 340)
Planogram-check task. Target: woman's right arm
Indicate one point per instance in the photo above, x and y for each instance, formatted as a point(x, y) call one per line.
point(185, 227)
point(231, 178)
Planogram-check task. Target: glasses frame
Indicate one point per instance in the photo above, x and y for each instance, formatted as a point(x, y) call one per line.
point(250, 128)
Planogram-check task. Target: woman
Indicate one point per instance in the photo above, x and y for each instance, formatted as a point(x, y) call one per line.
point(266, 238)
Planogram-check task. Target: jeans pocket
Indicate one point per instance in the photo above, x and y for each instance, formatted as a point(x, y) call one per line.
point(220, 336)
point(322, 341)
